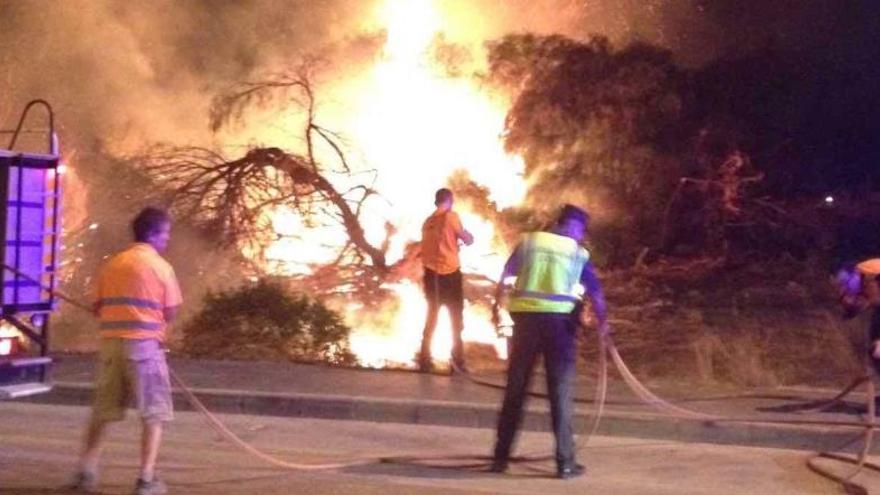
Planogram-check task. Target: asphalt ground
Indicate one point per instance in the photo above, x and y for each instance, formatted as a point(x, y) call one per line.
point(313, 391)
point(40, 442)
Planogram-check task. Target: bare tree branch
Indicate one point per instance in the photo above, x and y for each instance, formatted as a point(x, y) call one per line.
point(232, 198)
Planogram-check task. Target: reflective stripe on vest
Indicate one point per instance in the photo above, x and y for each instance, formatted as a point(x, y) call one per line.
point(130, 301)
point(121, 315)
point(550, 269)
point(131, 325)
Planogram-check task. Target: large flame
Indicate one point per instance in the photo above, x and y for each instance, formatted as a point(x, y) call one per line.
point(416, 126)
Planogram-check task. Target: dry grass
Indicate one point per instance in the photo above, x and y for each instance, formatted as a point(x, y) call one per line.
point(754, 324)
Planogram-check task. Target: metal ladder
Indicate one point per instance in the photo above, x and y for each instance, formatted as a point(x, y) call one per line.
point(30, 209)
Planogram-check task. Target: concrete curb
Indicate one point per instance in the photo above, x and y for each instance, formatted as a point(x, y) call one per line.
point(471, 415)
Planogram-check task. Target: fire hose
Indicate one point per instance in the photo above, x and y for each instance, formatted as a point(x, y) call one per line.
point(198, 405)
point(870, 425)
point(607, 348)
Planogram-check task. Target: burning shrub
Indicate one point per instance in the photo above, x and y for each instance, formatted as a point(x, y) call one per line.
point(267, 321)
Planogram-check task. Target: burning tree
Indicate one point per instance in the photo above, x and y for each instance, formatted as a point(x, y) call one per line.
point(243, 199)
point(233, 199)
point(591, 121)
point(630, 132)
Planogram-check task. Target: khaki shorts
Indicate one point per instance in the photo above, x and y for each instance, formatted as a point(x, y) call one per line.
point(132, 372)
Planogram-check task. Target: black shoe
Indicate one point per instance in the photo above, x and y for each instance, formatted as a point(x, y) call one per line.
point(84, 481)
point(152, 487)
point(426, 365)
point(498, 466)
point(572, 471)
point(459, 367)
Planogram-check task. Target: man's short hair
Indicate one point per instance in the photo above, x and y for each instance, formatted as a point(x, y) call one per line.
point(148, 222)
point(442, 195)
point(573, 213)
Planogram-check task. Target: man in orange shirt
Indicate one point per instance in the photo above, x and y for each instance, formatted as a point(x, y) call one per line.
point(136, 296)
point(441, 233)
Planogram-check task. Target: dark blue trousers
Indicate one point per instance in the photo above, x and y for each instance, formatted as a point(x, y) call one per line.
point(553, 336)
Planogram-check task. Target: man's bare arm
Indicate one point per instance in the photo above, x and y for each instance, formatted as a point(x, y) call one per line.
point(466, 237)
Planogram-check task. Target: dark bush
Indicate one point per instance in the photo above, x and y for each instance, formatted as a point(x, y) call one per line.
point(267, 321)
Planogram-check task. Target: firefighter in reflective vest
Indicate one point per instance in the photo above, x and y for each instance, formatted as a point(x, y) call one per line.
point(859, 291)
point(545, 308)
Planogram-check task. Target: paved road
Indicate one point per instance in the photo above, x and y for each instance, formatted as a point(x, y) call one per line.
point(297, 390)
point(38, 445)
point(285, 378)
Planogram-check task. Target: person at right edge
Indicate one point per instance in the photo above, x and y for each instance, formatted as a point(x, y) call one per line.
point(860, 291)
point(546, 313)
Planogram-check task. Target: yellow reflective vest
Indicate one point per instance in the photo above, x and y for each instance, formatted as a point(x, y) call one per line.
point(549, 271)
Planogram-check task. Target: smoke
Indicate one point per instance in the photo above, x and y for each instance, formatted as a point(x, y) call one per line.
point(696, 31)
point(130, 72)
point(125, 73)
point(121, 75)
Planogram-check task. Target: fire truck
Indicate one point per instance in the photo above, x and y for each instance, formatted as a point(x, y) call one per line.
point(30, 225)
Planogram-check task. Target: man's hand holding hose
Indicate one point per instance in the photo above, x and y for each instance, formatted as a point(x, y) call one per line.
point(597, 301)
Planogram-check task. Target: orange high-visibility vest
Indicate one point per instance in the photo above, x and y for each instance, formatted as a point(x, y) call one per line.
point(133, 289)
